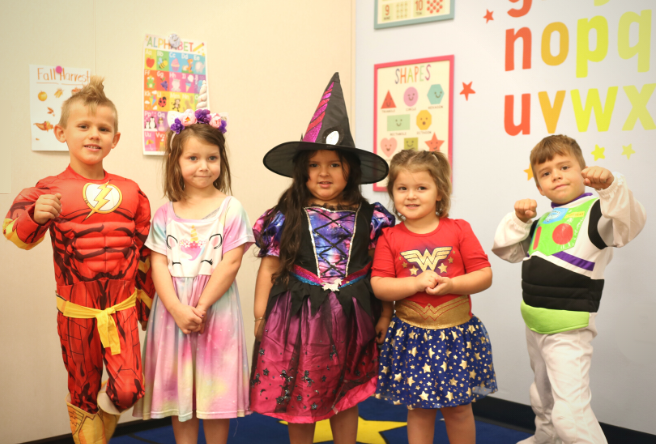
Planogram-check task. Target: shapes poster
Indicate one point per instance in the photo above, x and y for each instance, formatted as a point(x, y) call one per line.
point(390, 13)
point(413, 107)
point(50, 86)
point(172, 80)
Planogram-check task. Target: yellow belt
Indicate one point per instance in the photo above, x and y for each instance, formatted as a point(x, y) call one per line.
point(106, 325)
point(449, 314)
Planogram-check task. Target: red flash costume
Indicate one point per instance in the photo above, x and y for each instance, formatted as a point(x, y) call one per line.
point(103, 279)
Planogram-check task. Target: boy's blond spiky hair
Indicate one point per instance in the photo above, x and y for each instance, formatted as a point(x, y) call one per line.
point(91, 96)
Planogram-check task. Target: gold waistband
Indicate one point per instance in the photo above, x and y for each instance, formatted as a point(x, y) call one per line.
point(449, 314)
point(105, 323)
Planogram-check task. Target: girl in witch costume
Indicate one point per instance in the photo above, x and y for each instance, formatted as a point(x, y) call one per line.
point(315, 355)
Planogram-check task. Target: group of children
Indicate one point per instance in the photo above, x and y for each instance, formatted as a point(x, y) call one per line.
point(347, 304)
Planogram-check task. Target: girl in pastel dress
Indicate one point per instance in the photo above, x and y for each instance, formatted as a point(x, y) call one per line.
point(315, 355)
point(195, 358)
point(436, 355)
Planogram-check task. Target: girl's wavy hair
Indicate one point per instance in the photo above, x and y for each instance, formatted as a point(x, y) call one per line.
point(173, 181)
point(296, 197)
point(434, 163)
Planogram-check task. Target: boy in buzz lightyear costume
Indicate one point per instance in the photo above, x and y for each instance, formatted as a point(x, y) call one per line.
point(564, 254)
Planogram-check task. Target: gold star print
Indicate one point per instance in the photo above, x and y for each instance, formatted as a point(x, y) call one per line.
point(397, 377)
point(463, 364)
point(397, 403)
point(490, 365)
point(442, 335)
point(453, 382)
point(405, 265)
point(442, 268)
point(468, 344)
point(385, 370)
point(598, 153)
point(627, 151)
point(399, 332)
point(410, 381)
point(413, 271)
point(529, 173)
point(413, 352)
point(412, 335)
point(455, 335)
point(425, 337)
point(449, 396)
point(477, 356)
point(431, 353)
point(471, 329)
point(426, 368)
point(368, 431)
point(472, 374)
point(448, 353)
point(443, 366)
point(424, 395)
point(451, 260)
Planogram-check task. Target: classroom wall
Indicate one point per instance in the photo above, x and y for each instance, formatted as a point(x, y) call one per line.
point(489, 166)
point(268, 64)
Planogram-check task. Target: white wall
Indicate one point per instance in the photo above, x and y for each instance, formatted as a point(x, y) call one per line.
point(268, 65)
point(489, 164)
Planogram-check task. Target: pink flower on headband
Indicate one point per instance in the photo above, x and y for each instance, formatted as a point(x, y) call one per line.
point(188, 118)
point(215, 120)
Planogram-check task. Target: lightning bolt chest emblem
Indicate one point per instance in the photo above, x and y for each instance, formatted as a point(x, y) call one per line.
point(101, 198)
point(426, 260)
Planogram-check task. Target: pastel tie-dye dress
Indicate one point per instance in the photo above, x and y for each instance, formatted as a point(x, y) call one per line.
point(202, 373)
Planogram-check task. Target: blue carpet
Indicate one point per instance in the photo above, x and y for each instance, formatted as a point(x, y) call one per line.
point(380, 423)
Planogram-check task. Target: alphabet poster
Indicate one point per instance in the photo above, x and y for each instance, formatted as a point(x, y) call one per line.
point(50, 86)
point(173, 76)
point(413, 107)
point(408, 12)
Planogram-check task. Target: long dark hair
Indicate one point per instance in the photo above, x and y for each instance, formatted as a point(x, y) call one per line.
point(297, 196)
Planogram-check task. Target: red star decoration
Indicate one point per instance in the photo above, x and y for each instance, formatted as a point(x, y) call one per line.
point(434, 144)
point(488, 16)
point(467, 90)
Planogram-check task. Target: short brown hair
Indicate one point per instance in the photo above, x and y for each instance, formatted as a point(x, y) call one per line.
point(91, 96)
point(435, 163)
point(552, 146)
point(173, 181)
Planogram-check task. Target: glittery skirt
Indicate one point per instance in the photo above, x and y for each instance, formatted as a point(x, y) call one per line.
point(312, 364)
point(435, 368)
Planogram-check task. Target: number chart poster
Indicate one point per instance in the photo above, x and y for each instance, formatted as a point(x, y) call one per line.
point(390, 13)
point(50, 86)
point(413, 107)
point(173, 77)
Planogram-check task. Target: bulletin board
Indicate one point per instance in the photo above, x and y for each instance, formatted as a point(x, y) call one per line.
point(173, 75)
point(389, 13)
point(413, 107)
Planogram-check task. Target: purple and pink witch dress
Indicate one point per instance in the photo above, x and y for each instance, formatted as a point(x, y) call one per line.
point(318, 353)
point(205, 374)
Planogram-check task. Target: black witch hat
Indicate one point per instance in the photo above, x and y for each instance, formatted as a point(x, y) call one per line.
point(328, 130)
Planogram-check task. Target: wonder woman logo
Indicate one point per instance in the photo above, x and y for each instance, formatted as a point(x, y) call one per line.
point(102, 199)
point(427, 260)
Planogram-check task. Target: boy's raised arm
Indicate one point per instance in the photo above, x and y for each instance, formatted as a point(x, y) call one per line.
point(511, 239)
point(19, 225)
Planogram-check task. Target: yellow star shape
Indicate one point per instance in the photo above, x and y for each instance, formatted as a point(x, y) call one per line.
point(449, 396)
point(425, 337)
point(385, 370)
point(443, 366)
point(405, 265)
point(471, 329)
point(468, 344)
point(451, 259)
point(413, 271)
point(424, 395)
point(399, 332)
point(529, 173)
point(410, 381)
point(368, 431)
point(442, 335)
point(472, 374)
point(397, 377)
point(426, 369)
point(627, 151)
point(413, 352)
point(448, 353)
point(453, 381)
point(412, 335)
point(442, 268)
point(397, 403)
point(430, 353)
point(463, 364)
point(598, 153)
point(455, 335)
point(469, 392)
point(477, 356)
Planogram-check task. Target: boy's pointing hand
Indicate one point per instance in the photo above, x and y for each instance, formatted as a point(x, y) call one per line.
point(597, 177)
point(526, 209)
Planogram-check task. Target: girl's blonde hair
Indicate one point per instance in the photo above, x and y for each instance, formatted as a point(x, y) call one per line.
point(434, 163)
point(91, 96)
point(173, 181)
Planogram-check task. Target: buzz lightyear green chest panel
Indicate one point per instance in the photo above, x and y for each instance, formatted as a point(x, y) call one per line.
point(558, 231)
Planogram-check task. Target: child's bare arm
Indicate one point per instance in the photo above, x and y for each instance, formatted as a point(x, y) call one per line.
point(467, 284)
point(263, 284)
point(395, 289)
